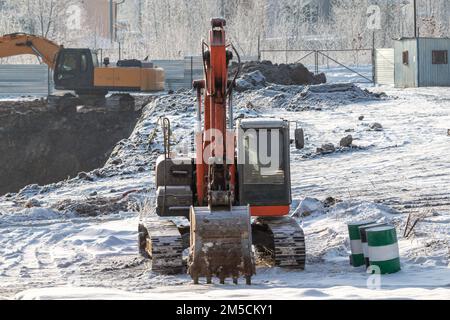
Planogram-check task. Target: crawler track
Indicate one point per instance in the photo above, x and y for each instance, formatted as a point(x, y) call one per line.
point(286, 246)
point(161, 240)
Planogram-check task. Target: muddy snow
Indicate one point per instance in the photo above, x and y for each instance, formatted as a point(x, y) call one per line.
point(77, 239)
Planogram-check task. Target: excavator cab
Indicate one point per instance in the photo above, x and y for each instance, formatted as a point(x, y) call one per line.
point(75, 69)
point(264, 166)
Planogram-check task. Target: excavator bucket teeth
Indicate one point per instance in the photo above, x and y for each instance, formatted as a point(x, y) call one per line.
point(221, 244)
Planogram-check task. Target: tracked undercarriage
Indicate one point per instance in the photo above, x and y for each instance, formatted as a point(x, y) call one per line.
point(160, 239)
point(280, 242)
point(68, 102)
point(219, 249)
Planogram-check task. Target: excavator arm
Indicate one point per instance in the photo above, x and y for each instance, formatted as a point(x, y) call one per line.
point(21, 43)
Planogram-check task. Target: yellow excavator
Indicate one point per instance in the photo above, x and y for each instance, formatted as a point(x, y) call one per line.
point(79, 70)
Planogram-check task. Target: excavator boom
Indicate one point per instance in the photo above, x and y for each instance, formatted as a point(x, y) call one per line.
point(221, 237)
point(20, 43)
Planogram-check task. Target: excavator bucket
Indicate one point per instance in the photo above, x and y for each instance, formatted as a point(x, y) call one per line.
point(221, 245)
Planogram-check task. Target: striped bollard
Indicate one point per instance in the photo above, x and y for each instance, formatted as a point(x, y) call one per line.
point(365, 245)
point(357, 256)
point(383, 249)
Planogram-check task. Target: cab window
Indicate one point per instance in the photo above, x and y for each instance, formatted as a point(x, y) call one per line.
point(95, 59)
point(84, 63)
point(69, 63)
point(264, 164)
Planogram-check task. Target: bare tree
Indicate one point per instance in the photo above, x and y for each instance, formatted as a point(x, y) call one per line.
point(171, 29)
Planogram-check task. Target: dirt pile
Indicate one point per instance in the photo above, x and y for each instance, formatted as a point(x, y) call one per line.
point(92, 207)
point(22, 106)
point(39, 146)
point(284, 74)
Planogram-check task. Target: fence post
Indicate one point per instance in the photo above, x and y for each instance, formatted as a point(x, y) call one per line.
point(287, 45)
point(374, 62)
point(259, 48)
point(49, 82)
point(316, 62)
point(192, 70)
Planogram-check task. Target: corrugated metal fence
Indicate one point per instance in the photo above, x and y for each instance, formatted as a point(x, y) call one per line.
point(19, 80)
point(28, 79)
point(181, 73)
point(384, 66)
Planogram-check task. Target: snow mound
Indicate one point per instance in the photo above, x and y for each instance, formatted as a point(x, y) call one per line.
point(30, 215)
point(331, 293)
point(303, 98)
point(73, 293)
point(309, 206)
point(108, 239)
point(361, 211)
point(251, 81)
point(327, 235)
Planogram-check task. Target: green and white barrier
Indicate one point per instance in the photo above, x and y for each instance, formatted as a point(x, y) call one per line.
point(365, 244)
point(383, 249)
point(357, 256)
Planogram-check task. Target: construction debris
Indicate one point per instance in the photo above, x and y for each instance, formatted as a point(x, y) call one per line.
point(346, 142)
point(412, 221)
point(376, 126)
point(308, 207)
point(33, 203)
point(326, 149)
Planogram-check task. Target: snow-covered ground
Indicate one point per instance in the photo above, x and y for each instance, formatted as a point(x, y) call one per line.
point(51, 250)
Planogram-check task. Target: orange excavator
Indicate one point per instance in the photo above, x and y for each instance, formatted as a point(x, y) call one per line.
point(237, 202)
point(79, 70)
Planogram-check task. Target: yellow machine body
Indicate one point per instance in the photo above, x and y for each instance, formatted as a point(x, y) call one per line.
point(132, 78)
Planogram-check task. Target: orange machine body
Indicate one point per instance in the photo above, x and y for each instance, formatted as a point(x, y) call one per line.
point(215, 117)
point(269, 211)
point(213, 105)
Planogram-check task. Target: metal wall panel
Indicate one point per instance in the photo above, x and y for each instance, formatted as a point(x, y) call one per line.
point(18, 80)
point(406, 75)
point(384, 66)
point(433, 75)
point(28, 79)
